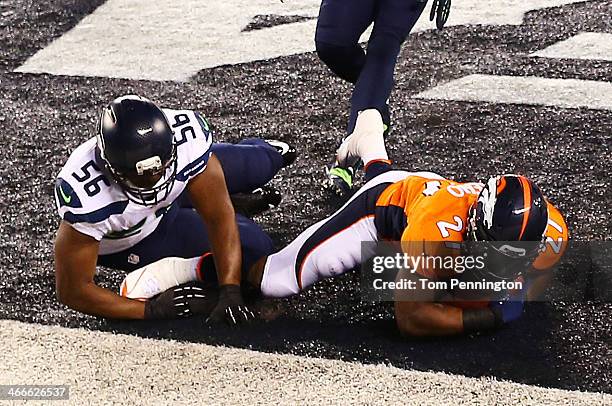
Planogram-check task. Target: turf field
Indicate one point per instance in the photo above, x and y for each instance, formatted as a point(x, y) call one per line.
point(445, 120)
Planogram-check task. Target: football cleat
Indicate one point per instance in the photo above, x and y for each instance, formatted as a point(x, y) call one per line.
point(366, 142)
point(287, 151)
point(340, 181)
point(256, 202)
point(440, 10)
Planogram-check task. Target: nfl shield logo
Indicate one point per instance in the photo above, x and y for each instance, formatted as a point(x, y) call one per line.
point(133, 259)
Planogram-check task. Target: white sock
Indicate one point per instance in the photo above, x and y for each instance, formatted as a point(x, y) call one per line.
point(155, 278)
point(366, 141)
point(371, 147)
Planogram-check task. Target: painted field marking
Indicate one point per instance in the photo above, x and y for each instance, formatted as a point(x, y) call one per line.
point(171, 40)
point(586, 45)
point(530, 90)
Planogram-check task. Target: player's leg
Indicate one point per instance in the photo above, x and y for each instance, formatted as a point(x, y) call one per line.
point(172, 254)
point(376, 168)
point(248, 166)
point(326, 249)
point(393, 22)
point(251, 163)
point(339, 26)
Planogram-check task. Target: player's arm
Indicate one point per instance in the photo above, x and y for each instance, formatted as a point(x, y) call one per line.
point(537, 283)
point(427, 312)
point(434, 319)
point(210, 197)
point(75, 265)
point(418, 314)
point(427, 319)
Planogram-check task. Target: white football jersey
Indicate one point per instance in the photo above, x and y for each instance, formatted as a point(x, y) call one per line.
point(94, 204)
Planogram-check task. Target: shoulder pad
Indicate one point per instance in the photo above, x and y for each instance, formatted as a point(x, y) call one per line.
point(203, 122)
point(193, 138)
point(188, 125)
point(65, 195)
point(556, 240)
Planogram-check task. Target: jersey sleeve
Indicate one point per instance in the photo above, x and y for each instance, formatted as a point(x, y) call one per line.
point(91, 222)
point(193, 138)
point(422, 238)
point(556, 241)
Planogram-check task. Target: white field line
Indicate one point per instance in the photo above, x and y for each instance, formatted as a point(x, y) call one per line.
point(172, 40)
point(586, 45)
point(105, 368)
point(531, 90)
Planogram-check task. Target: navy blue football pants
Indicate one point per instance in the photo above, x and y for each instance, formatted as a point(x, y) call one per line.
point(341, 23)
point(181, 233)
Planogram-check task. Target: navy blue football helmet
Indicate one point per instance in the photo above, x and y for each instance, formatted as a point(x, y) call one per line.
point(507, 223)
point(135, 139)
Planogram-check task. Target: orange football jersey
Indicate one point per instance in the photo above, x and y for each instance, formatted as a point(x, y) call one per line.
point(434, 215)
point(557, 235)
point(434, 211)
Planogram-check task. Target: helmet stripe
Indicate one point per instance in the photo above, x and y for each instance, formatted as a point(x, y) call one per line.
point(501, 185)
point(526, 203)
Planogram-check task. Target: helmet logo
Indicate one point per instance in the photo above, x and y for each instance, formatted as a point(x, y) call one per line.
point(150, 164)
point(537, 202)
point(144, 131)
point(512, 251)
point(521, 211)
point(488, 198)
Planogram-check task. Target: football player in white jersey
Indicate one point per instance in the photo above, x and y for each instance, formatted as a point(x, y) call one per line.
point(127, 198)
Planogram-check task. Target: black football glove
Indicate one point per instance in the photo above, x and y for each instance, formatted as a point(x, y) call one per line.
point(230, 307)
point(182, 301)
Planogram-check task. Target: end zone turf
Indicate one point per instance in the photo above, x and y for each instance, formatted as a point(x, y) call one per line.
point(130, 370)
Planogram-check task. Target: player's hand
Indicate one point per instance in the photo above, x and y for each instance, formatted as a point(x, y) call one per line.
point(507, 311)
point(230, 307)
point(509, 308)
point(182, 301)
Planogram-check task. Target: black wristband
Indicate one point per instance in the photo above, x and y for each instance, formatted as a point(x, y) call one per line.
point(480, 320)
point(229, 289)
point(230, 294)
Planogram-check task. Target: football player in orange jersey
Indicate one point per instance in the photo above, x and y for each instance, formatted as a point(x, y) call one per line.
point(425, 212)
